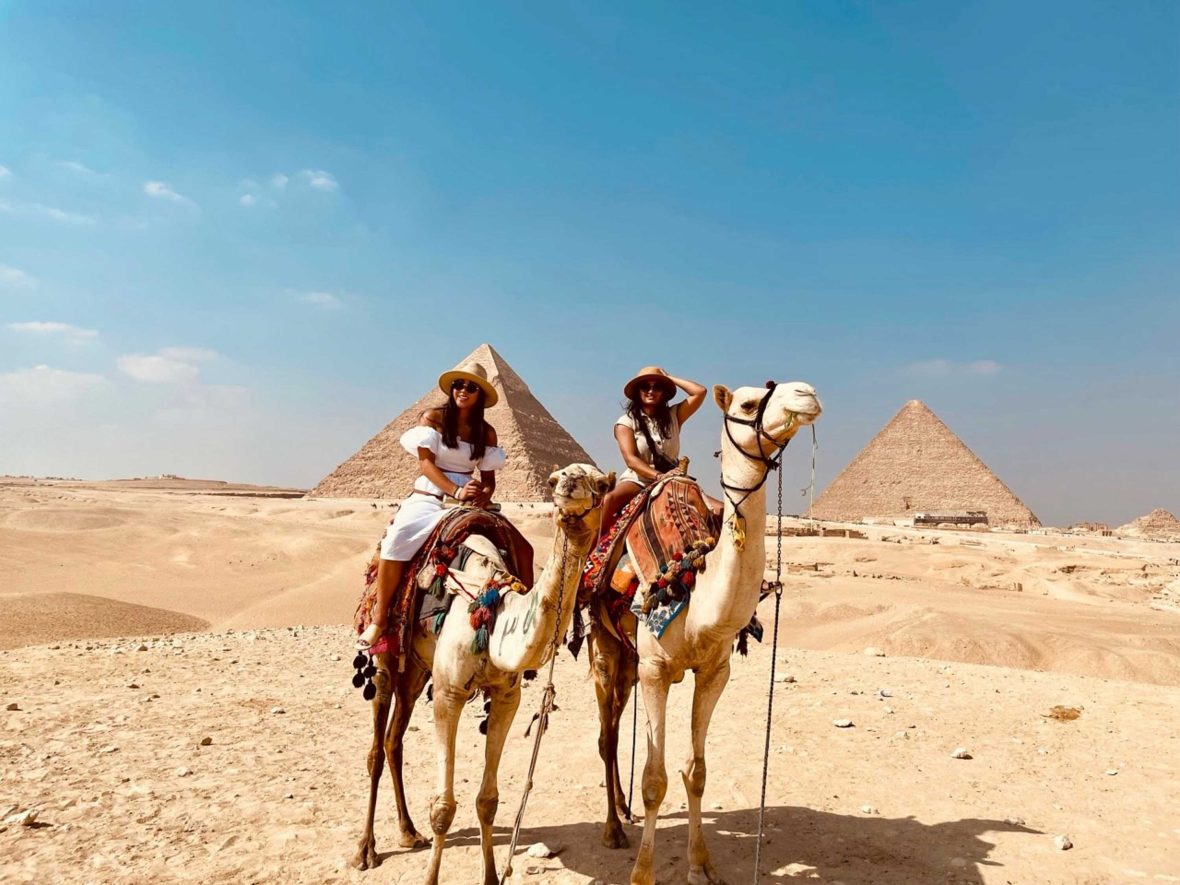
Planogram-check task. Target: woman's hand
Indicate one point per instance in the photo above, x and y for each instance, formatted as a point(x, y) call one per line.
point(469, 492)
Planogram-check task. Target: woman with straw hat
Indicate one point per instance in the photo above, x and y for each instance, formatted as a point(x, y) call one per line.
point(450, 443)
point(648, 432)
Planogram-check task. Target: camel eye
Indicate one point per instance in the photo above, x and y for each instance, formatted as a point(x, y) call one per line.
point(749, 405)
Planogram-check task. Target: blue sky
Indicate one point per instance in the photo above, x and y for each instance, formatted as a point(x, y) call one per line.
point(235, 239)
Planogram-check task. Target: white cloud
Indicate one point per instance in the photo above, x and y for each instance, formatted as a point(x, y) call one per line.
point(942, 368)
point(156, 369)
point(163, 191)
point(5, 172)
point(74, 333)
point(15, 278)
point(189, 354)
point(279, 181)
point(43, 384)
point(79, 168)
point(42, 211)
point(319, 179)
point(247, 199)
point(322, 300)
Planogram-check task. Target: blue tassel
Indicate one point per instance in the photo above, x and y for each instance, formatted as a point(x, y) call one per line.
point(438, 622)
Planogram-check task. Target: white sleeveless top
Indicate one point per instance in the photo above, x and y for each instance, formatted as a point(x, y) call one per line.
point(668, 446)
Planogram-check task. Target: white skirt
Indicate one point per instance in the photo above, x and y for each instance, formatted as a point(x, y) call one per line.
point(415, 520)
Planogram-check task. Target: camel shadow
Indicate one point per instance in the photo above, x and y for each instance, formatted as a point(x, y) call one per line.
point(800, 843)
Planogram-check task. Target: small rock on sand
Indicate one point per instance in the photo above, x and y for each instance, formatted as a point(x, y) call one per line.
point(842, 723)
point(277, 711)
point(960, 753)
point(873, 652)
point(22, 819)
point(867, 809)
point(1111, 772)
point(206, 741)
point(13, 706)
point(183, 771)
point(540, 849)
point(1062, 842)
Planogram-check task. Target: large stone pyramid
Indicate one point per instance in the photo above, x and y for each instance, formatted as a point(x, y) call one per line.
point(1159, 524)
point(535, 443)
point(916, 464)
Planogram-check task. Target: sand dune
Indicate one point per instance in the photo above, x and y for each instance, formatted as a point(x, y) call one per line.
point(103, 729)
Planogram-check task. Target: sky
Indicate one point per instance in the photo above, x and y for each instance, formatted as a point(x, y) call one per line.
point(238, 238)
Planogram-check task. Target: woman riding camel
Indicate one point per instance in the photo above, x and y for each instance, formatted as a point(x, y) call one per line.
point(450, 443)
point(648, 432)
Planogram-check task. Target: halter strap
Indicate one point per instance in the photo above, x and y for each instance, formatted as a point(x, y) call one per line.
point(769, 462)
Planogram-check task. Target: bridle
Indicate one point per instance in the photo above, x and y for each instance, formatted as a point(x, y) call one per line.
point(770, 462)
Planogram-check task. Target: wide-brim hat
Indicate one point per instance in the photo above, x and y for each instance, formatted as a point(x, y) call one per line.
point(472, 371)
point(645, 374)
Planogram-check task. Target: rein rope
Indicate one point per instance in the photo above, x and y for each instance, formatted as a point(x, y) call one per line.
point(778, 598)
point(769, 462)
point(547, 697)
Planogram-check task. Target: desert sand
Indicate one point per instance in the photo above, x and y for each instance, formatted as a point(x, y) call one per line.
point(138, 621)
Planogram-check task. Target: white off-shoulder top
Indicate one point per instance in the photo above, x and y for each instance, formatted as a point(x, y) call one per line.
point(456, 463)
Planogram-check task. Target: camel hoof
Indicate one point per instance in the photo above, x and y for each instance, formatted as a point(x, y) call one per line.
point(412, 839)
point(613, 836)
point(366, 857)
point(705, 875)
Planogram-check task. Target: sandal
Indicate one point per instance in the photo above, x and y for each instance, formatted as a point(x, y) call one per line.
point(369, 638)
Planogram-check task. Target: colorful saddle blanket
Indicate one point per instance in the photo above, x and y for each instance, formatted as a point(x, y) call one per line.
point(440, 549)
point(660, 537)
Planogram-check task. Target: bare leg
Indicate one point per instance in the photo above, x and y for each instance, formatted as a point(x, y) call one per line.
point(504, 705)
point(707, 691)
point(366, 852)
point(389, 575)
point(406, 690)
point(654, 683)
point(448, 705)
point(616, 499)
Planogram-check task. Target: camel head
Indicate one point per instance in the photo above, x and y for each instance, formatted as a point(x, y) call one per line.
point(788, 406)
point(578, 491)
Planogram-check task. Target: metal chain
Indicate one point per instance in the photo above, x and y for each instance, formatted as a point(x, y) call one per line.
point(546, 708)
point(778, 598)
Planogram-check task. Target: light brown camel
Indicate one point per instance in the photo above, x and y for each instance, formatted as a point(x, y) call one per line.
point(521, 639)
point(758, 423)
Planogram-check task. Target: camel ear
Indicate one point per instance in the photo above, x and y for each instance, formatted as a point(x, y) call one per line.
point(606, 483)
point(722, 396)
point(553, 480)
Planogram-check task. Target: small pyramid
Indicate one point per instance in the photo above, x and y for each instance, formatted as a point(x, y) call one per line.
point(915, 464)
point(534, 441)
point(1159, 524)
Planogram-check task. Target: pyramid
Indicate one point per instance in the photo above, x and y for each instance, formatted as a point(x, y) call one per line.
point(915, 464)
point(534, 441)
point(1159, 524)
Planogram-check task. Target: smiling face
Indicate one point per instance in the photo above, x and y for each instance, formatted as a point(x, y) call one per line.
point(650, 393)
point(465, 394)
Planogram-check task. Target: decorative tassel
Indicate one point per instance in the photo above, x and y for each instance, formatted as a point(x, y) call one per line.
point(480, 643)
point(437, 625)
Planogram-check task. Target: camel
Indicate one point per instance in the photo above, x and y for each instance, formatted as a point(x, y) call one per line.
point(758, 423)
point(523, 637)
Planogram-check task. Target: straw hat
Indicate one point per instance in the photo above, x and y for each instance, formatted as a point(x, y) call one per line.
point(647, 372)
point(472, 371)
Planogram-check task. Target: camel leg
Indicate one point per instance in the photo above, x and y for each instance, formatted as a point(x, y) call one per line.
point(607, 668)
point(654, 683)
point(448, 705)
point(406, 690)
point(706, 693)
point(366, 852)
point(503, 711)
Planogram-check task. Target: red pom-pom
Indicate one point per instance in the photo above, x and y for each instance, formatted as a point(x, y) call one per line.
point(662, 582)
point(688, 579)
point(440, 569)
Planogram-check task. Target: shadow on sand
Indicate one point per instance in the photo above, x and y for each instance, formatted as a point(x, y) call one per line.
point(801, 843)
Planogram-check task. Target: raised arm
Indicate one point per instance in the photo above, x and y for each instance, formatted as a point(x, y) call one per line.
point(695, 394)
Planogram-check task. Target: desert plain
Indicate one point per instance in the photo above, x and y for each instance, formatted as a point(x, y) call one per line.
point(175, 663)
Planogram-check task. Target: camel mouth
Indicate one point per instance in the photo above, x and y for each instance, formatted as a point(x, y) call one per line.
point(572, 509)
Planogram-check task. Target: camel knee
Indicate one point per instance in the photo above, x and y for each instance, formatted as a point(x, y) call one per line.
point(694, 776)
point(376, 759)
point(655, 787)
point(442, 814)
point(486, 806)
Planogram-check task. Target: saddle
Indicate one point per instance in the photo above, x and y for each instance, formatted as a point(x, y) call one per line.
point(429, 578)
point(658, 542)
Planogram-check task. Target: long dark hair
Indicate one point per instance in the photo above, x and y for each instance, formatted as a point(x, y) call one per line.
point(450, 428)
point(662, 417)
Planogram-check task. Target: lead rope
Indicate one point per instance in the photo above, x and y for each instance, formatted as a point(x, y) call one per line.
point(543, 717)
point(634, 732)
point(810, 490)
point(778, 598)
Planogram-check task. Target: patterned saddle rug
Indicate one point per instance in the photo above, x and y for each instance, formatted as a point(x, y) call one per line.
point(426, 573)
point(658, 542)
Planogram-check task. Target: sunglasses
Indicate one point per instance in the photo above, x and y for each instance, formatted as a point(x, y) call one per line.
point(652, 386)
point(469, 386)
